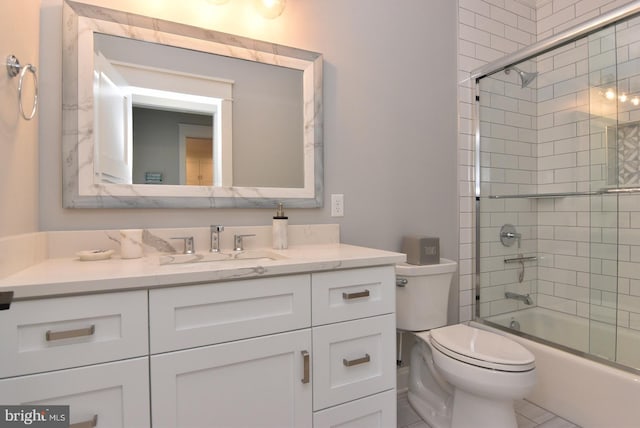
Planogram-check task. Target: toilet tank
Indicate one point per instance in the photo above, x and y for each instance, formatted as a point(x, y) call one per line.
point(422, 304)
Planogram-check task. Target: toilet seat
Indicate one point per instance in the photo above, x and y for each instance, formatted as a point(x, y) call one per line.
point(482, 348)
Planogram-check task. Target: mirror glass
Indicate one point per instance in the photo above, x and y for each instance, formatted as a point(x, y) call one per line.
point(160, 114)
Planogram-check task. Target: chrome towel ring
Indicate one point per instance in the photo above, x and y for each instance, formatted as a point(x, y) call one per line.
point(13, 68)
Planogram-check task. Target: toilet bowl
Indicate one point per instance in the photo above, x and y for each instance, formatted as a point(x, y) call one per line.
point(459, 376)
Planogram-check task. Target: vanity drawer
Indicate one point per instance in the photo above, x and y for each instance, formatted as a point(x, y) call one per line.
point(114, 394)
point(353, 359)
point(350, 294)
point(197, 315)
point(57, 333)
point(376, 411)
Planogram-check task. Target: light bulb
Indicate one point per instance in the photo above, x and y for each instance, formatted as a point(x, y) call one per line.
point(623, 98)
point(610, 95)
point(635, 101)
point(270, 8)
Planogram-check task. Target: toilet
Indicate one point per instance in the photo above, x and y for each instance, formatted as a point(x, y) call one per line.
point(459, 376)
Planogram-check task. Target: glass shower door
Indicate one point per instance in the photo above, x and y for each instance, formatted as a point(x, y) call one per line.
point(602, 219)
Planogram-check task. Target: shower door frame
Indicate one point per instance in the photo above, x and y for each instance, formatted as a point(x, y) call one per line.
point(563, 38)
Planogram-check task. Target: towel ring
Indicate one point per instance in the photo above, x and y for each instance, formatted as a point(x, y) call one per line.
point(13, 68)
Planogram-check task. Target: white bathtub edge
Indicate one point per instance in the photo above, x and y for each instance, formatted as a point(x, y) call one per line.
point(589, 394)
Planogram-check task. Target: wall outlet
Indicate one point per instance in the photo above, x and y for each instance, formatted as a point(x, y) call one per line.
point(337, 205)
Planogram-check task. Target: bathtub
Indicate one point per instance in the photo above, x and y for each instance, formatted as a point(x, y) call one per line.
point(589, 393)
point(577, 333)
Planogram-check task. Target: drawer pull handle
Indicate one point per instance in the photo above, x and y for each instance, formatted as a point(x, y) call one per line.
point(305, 370)
point(91, 423)
point(359, 294)
point(362, 360)
point(68, 334)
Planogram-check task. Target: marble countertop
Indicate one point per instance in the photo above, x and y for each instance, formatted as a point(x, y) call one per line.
point(62, 276)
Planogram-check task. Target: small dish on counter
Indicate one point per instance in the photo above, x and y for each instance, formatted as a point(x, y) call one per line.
point(91, 255)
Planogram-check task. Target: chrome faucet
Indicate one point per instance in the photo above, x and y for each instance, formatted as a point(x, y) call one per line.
point(237, 241)
point(215, 230)
point(189, 247)
point(525, 298)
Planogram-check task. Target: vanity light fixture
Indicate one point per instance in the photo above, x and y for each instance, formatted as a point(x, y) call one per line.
point(270, 8)
point(218, 2)
point(611, 95)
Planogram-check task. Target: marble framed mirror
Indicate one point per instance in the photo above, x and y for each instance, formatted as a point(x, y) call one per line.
point(256, 106)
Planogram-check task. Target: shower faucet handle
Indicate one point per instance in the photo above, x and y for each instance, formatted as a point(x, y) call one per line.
point(508, 235)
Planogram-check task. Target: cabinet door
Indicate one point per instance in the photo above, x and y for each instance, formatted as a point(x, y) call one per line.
point(249, 383)
point(114, 394)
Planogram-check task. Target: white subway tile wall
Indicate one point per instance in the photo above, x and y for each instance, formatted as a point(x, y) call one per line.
point(549, 137)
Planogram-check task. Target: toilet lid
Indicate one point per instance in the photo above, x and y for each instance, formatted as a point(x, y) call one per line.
point(482, 348)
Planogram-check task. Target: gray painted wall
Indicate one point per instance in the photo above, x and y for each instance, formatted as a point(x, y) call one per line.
point(19, 22)
point(389, 120)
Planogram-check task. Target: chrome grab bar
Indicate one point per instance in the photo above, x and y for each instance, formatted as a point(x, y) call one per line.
point(603, 191)
point(621, 190)
point(520, 259)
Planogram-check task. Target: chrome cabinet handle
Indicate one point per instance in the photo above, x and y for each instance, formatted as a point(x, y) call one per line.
point(91, 423)
point(357, 295)
point(305, 370)
point(362, 360)
point(68, 334)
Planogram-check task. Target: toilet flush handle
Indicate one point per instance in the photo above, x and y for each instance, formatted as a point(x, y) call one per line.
point(401, 282)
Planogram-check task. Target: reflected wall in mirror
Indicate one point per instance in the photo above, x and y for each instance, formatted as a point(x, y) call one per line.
point(160, 114)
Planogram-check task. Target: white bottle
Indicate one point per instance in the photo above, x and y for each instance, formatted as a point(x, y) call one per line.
point(279, 229)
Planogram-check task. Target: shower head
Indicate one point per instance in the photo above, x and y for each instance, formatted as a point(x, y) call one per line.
point(525, 77)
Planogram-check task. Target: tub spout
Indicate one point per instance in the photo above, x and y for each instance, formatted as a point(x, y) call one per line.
point(525, 298)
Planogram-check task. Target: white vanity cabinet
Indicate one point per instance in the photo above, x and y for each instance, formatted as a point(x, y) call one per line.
point(89, 352)
point(286, 351)
point(311, 349)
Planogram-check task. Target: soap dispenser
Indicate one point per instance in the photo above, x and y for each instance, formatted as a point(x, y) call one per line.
point(280, 223)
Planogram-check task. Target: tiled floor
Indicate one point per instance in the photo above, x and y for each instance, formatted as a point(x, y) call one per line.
point(528, 415)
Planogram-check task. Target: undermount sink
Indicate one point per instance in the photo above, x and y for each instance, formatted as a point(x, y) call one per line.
point(231, 257)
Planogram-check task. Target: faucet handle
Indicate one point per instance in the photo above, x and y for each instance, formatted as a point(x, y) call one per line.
point(237, 241)
point(188, 244)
